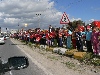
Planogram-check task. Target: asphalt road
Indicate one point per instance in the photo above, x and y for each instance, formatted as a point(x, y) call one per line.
point(9, 50)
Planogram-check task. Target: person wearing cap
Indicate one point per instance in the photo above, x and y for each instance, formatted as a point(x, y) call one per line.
point(88, 34)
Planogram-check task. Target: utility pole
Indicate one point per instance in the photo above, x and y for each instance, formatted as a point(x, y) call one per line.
point(0, 30)
point(38, 18)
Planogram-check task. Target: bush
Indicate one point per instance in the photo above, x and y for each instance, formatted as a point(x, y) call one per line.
point(95, 61)
point(30, 44)
point(70, 64)
point(89, 59)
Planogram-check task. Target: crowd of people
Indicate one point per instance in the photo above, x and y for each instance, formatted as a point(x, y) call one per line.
point(60, 37)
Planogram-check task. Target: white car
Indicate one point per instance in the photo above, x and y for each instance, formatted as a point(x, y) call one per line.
point(2, 40)
point(7, 37)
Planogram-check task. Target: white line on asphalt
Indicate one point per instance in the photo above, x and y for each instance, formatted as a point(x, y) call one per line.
point(10, 73)
point(35, 62)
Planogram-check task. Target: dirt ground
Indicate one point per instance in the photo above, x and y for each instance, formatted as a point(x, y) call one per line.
point(58, 64)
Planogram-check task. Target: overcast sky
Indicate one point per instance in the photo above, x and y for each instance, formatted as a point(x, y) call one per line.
point(21, 12)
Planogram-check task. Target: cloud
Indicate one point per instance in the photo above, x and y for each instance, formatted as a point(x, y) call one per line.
point(95, 8)
point(73, 19)
point(89, 21)
point(13, 12)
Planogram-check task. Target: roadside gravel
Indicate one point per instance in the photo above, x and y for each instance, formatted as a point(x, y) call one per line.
point(57, 64)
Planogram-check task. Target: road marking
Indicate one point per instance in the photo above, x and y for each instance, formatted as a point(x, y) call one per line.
point(35, 62)
point(10, 73)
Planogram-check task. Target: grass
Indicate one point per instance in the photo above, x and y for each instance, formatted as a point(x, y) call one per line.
point(69, 64)
point(42, 53)
point(52, 57)
point(89, 59)
point(30, 44)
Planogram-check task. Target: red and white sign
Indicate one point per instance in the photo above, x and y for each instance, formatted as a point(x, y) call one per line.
point(64, 19)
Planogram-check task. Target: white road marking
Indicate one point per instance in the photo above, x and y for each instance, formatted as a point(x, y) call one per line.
point(10, 73)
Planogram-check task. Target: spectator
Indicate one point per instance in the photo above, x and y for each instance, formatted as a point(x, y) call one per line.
point(34, 38)
point(47, 38)
point(50, 28)
point(43, 39)
point(31, 37)
point(88, 40)
point(98, 46)
point(60, 38)
point(55, 38)
point(73, 40)
point(78, 39)
point(95, 40)
point(69, 39)
point(66, 35)
point(28, 37)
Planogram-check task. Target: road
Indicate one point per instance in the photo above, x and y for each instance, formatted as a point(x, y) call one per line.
point(10, 49)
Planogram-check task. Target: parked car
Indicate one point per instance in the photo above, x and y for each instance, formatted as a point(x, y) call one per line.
point(2, 40)
point(7, 37)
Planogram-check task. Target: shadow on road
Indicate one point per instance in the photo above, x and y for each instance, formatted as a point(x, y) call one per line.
point(17, 44)
point(2, 43)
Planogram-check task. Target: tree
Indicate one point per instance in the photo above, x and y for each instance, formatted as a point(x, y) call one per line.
point(76, 23)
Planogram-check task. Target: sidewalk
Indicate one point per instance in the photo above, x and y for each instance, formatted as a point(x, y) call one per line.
point(57, 64)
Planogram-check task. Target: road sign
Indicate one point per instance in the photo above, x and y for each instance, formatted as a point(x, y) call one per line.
point(64, 19)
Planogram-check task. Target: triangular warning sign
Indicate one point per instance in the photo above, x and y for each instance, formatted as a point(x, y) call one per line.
point(64, 19)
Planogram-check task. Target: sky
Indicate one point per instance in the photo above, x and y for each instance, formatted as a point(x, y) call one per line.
point(84, 9)
point(14, 14)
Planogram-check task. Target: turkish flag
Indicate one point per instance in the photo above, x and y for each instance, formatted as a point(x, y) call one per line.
point(97, 23)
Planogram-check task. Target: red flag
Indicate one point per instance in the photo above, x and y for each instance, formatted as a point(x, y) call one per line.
point(97, 23)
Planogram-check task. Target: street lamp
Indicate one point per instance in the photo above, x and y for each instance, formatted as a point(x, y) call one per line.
point(18, 28)
point(26, 25)
point(38, 18)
